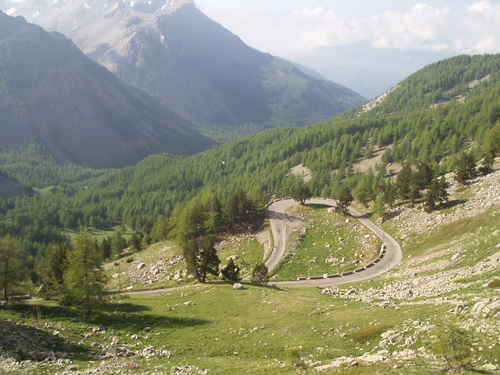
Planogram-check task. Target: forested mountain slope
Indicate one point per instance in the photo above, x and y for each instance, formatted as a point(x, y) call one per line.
point(449, 80)
point(172, 50)
point(34, 166)
point(53, 95)
point(10, 188)
point(136, 195)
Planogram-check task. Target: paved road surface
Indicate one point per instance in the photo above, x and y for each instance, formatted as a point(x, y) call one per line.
point(283, 224)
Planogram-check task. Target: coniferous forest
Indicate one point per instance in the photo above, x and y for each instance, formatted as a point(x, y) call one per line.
point(137, 196)
point(174, 201)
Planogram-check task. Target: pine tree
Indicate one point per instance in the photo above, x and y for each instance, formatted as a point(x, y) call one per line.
point(118, 243)
point(52, 269)
point(389, 192)
point(260, 274)
point(465, 168)
point(488, 161)
point(344, 198)
point(198, 244)
point(214, 221)
point(201, 257)
point(12, 266)
point(84, 279)
point(437, 194)
point(363, 192)
point(423, 176)
point(414, 190)
point(404, 183)
point(379, 207)
point(159, 232)
point(299, 191)
point(106, 248)
point(136, 242)
point(231, 272)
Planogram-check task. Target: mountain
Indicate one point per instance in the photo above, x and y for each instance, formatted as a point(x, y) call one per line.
point(262, 163)
point(10, 187)
point(170, 49)
point(52, 94)
point(450, 80)
point(368, 70)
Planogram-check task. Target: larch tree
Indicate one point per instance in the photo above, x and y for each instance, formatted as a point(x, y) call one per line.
point(379, 207)
point(12, 266)
point(260, 274)
point(465, 168)
point(299, 191)
point(52, 268)
point(197, 240)
point(84, 279)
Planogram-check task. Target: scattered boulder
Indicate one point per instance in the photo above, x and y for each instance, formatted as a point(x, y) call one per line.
point(486, 308)
point(188, 370)
point(238, 286)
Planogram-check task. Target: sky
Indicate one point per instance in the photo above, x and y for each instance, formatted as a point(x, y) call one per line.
point(291, 27)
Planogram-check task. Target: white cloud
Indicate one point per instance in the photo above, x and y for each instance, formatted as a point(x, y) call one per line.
point(480, 7)
point(472, 28)
point(419, 27)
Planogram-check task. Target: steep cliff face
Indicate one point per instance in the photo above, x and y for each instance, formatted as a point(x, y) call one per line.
point(205, 73)
point(51, 93)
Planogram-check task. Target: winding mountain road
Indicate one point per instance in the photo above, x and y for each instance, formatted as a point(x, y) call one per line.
point(282, 226)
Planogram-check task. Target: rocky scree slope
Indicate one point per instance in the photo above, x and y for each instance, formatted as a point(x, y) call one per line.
point(208, 75)
point(52, 94)
point(456, 276)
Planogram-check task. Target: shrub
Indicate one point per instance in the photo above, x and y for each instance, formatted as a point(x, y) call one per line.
point(494, 284)
point(260, 274)
point(231, 272)
point(454, 345)
point(368, 333)
point(297, 360)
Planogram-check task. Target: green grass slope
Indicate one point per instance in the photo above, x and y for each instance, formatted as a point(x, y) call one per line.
point(389, 325)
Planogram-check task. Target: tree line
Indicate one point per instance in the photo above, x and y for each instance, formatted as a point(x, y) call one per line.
point(136, 196)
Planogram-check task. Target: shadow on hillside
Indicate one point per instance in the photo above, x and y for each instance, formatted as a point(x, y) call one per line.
point(268, 286)
point(318, 206)
point(367, 216)
point(280, 216)
point(452, 203)
point(24, 342)
point(247, 284)
point(392, 214)
point(124, 308)
point(115, 316)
